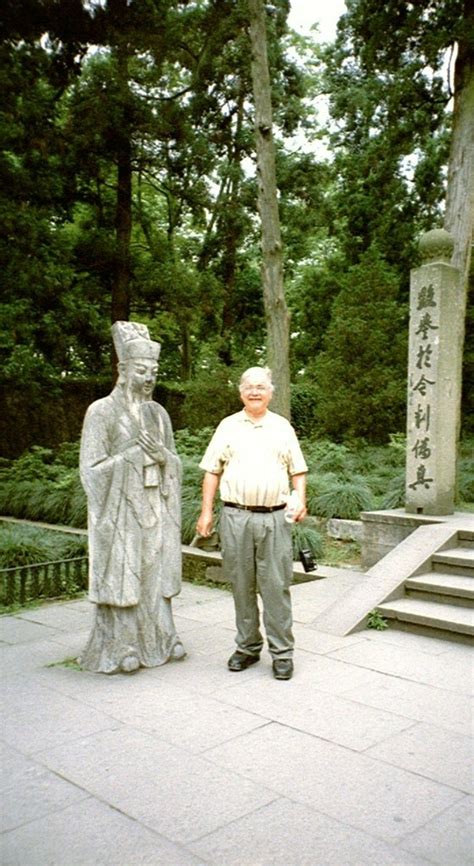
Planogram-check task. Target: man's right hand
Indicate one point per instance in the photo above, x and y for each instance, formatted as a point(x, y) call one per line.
point(204, 524)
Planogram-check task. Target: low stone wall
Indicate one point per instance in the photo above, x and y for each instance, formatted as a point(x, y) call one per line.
point(344, 530)
point(206, 567)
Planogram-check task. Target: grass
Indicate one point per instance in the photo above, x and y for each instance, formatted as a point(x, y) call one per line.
point(70, 663)
point(341, 553)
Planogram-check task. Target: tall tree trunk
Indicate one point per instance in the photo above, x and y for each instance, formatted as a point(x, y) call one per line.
point(120, 308)
point(232, 233)
point(459, 215)
point(276, 312)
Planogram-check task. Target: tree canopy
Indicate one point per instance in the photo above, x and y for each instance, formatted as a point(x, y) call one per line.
point(128, 190)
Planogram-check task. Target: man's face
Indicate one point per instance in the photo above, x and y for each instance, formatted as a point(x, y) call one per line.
point(255, 393)
point(141, 377)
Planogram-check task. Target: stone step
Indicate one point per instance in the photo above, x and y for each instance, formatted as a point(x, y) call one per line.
point(447, 617)
point(442, 583)
point(462, 557)
point(466, 537)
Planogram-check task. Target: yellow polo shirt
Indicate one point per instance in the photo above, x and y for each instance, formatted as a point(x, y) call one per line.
point(254, 458)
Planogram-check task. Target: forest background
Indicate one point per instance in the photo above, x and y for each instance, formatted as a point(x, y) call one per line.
point(128, 190)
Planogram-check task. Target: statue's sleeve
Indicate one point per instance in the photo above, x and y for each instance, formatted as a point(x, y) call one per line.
point(114, 487)
point(102, 470)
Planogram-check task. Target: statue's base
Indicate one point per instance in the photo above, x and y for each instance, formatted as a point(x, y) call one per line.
point(383, 530)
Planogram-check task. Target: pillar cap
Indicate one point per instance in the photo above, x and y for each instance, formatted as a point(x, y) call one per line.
point(436, 246)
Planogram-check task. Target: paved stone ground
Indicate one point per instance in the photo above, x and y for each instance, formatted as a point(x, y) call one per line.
point(362, 759)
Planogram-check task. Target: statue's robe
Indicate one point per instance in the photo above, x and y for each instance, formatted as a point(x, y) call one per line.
point(134, 532)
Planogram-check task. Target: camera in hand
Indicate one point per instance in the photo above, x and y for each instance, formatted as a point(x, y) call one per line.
point(307, 560)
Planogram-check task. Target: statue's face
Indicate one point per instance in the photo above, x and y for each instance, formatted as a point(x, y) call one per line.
point(141, 377)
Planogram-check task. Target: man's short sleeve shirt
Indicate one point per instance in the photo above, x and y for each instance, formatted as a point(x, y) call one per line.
point(254, 458)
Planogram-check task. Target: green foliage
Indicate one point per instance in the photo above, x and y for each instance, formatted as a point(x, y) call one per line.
point(40, 486)
point(394, 496)
point(377, 621)
point(306, 536)
point(190, 498)
point(303, 408)
point(466, 479)
point(192, 443)
point(344, 499)
point(71, 664)
point(209, 397)
point(343, 480)
point(361, 374)
point(27, 545)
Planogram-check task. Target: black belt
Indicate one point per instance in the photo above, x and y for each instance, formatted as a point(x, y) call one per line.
point(261, 509)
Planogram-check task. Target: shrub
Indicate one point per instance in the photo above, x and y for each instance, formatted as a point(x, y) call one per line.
point(193, 443)
point(344, 499)
point(190, 498)
point(395, 493)
point(303, 408)
point(306, 536)
point(27, 545)
point(466, 480)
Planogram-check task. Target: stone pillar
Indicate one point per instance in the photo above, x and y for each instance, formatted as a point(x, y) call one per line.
point(434, 378)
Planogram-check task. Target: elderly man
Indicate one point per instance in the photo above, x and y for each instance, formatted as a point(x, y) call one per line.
point(251, 458)
point(132, 474)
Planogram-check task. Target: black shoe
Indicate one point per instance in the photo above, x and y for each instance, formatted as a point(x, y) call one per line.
point(283, 669)
point(239, 661)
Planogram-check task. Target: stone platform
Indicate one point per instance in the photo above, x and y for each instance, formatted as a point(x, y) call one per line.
point(362, 758)
point(383, 530)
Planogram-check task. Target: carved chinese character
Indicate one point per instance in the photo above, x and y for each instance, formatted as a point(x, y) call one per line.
point(421, 384)
point(426, 324)
point(421, 448)
point(426, 297)
point(424, 355)
point(422, 415)
point(421, 478)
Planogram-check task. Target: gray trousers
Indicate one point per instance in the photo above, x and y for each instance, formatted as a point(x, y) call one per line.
point(257, 558)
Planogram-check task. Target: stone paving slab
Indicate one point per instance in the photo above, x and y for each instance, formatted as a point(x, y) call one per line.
point(210, 612)
point(91, 834)
point(452, 671)
point(447, 839)
point(418, 643)
point(440, 707)
point(170, 790)
point(207, 640)
point(34, 718)
point(61, 616)
point(351, 787)
point(423, 749)
point(315, 712)
point(320, 642)
point(15, 630)
point(357, 760)
point(17, 660)
point(285, 832)
point(168, 710)
point(35, 793)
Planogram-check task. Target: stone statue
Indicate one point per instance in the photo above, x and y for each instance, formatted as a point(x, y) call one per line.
point(132, 477)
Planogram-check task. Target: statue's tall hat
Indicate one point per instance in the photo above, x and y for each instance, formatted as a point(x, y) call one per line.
point(132, 340)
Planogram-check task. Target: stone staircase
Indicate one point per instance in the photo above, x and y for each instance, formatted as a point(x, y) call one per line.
point(439, 601)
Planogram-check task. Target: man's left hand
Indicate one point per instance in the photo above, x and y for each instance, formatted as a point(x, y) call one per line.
point(300, 514)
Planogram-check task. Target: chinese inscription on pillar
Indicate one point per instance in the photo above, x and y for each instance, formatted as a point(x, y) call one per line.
point(420, 383)
point(434, 385)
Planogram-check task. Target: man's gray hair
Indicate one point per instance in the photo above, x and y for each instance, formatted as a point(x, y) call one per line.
point(252, 371)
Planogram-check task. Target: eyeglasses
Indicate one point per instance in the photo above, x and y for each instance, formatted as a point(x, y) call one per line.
point(247, 389)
